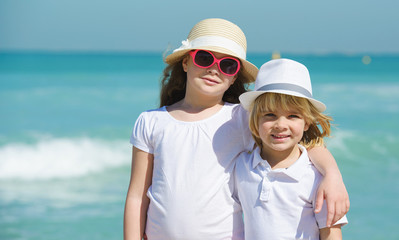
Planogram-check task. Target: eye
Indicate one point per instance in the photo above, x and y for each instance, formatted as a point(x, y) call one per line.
point(295, 116)
point(269, 115)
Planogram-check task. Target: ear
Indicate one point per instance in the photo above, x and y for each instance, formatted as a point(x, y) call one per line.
point(185, 64)
point(234, 79)
point(306, 127)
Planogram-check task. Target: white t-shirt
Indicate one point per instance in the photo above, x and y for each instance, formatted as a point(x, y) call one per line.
point(279, 203)
point(192, 187)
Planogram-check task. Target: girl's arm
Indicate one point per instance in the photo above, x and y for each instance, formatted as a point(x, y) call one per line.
point(332, 233)
point(332, 187)
point(137, 201)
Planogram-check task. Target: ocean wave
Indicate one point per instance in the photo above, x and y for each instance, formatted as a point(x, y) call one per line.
point(61, 158)
point(365, 148)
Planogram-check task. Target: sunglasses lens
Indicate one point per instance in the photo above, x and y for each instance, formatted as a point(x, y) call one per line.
point(204, 59)
point(229, 66)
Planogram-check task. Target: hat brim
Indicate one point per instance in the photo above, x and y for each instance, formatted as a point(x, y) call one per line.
point(250, 69)
point(246, 99)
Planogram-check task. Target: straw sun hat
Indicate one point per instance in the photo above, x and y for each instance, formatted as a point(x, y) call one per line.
point(217, 35)
point(283, 76)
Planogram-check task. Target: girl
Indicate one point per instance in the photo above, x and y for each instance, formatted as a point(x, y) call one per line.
point(183, 152)
point(277, 183)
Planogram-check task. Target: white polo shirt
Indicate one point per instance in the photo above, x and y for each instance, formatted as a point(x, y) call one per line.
point(279, 203)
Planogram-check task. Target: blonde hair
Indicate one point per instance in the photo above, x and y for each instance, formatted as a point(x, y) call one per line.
point(319, 123)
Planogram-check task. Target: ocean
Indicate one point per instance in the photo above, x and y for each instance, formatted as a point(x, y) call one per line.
point(66, 120)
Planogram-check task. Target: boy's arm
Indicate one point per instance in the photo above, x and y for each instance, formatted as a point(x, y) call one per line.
point(137, 201)
point(332, 187)
point(331, 233)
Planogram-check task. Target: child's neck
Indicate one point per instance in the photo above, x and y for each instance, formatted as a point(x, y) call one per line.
point(190, 111)
point(281, 159)
point(197, 104)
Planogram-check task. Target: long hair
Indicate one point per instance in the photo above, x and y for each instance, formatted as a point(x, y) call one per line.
point(319, 123)
point(173, 85)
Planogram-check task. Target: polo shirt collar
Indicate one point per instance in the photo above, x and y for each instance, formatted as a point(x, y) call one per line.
point(257, 159)
point(295, 171)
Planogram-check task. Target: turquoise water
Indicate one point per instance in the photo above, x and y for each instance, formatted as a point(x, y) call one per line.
point(66, 120)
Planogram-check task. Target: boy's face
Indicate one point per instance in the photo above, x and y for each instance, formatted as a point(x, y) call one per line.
point(281, 130)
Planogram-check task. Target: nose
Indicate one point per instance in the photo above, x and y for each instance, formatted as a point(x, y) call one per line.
point(280, 123)
point(214, 69)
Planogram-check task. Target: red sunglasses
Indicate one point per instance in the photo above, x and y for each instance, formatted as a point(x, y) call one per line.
point(228, 66)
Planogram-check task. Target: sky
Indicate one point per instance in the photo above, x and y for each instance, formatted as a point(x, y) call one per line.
point(298, 26)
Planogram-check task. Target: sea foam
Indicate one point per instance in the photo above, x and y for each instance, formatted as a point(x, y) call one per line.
point(61, 158)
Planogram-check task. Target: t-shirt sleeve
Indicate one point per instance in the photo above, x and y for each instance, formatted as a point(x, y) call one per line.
point(141, 134)
point(235, 181)
point(243, 121)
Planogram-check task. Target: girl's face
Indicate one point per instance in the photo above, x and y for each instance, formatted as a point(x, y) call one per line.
point(206, 81)
point(281, 130)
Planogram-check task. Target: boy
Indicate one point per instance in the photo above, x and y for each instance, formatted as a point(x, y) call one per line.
point(277, 183)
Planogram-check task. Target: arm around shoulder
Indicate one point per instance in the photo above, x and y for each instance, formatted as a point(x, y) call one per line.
point(324, 161)
point(137, 201)
point(332, 187)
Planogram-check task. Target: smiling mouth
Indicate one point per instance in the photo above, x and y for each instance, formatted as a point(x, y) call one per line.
point(210, 81)
point(280, 136)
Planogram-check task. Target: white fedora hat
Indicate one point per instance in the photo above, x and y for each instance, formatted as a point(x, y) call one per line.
point(217, 35)
point(282, 76)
